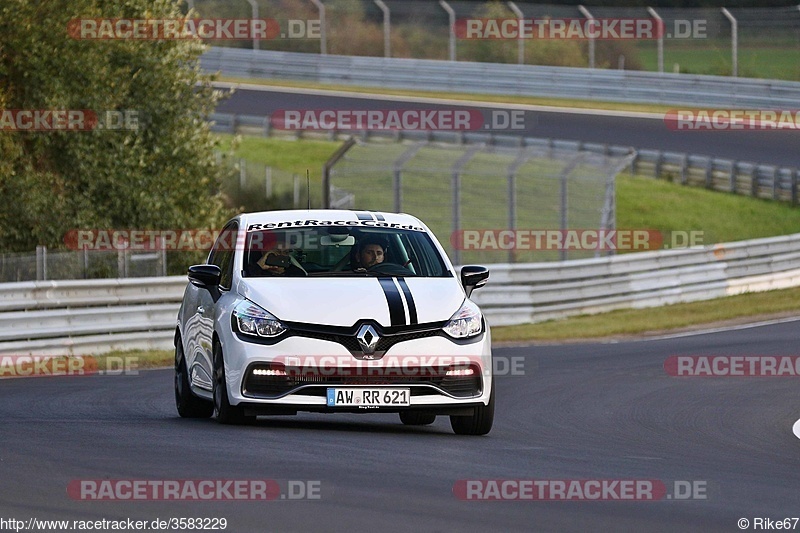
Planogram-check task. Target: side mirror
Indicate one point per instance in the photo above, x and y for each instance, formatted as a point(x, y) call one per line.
point(473, 277)
point(205, 276)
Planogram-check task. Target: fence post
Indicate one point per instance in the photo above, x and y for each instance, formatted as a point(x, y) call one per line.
point(710, 173)
point(323, 34)
point(254, 6)
point(520, 41)
point(734, 42)
point(732, 187)
point(585, 12)
point(795, 173)
point(660, 38)
point(452, 18)
point(387, 28)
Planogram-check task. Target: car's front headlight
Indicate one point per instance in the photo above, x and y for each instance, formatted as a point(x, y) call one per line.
point(252, 320)
point(466, 322)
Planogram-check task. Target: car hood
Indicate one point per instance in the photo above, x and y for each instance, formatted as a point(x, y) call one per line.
point(345, 301)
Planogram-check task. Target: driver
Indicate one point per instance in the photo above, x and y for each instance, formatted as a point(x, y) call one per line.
point(370, 251)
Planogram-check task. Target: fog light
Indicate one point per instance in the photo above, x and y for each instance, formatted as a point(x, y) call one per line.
point(460, 372)
point(268, 372)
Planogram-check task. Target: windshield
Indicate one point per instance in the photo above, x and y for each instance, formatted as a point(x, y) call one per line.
point(341, 251)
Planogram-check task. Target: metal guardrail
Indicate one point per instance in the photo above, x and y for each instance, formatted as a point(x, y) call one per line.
point(725, 175)
point(84, 317)
point(505, 79)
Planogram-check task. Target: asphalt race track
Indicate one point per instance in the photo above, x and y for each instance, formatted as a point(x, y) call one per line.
point(580, 411)
point(768, 147)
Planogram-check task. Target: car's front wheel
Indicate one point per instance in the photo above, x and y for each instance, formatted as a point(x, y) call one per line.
point(189, 405)
point(412, 418)
point(224, 412)
point(480, 423)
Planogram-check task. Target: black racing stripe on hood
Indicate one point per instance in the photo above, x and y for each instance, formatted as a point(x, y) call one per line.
point(364, 216)
point(412, 308)
point(397, 313)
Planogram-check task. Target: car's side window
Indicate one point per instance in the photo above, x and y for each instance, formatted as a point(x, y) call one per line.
point(222, 254)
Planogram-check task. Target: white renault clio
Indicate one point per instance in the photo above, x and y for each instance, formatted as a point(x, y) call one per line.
point(333, 311)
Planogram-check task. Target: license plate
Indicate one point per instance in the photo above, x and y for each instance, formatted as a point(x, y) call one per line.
point(354, 397)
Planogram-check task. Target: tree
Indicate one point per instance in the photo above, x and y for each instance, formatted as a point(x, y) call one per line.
point(162, 175)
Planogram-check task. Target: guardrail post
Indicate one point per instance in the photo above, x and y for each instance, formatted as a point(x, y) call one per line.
point(775, 189)
point(323, 34)
point(754, 182)
point(795, 174)
point(732, 187)
point(734, 42)
point(585, 12)
point(660, 38)
point(387, 28)
point(657, 165)
point(267, 126)
point(684, 169)
point(520, 41)
point(452, 17)
point(41, 263)
point(710, 174)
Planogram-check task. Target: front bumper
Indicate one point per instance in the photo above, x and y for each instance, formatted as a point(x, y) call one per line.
point(313, 365)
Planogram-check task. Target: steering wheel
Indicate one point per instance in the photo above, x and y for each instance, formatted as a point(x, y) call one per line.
point(390, 268)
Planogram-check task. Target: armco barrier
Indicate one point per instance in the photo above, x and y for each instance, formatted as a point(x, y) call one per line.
point(84, 317)
point(505, 79)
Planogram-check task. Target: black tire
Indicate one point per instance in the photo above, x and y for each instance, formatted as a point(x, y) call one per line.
point(189, 405)
point(479, 423)
point(413, 418)
point(224, 412)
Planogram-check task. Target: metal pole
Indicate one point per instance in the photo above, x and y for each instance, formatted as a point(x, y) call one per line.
point(397, 180)
point(452, 14)
point(520, 42)
point(254, 6)
point(585, 13)
point(326, 171)
point(660, 38)
point(734, 41)
point(323, 39)
point(387, 28)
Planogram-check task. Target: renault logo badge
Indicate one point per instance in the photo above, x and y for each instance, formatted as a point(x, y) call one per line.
point(367, 338)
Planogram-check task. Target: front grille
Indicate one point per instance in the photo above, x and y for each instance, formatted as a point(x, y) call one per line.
point(347, 336)
point(270, 387)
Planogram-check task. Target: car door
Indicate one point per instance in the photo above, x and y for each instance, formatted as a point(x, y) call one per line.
point(222, 256)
